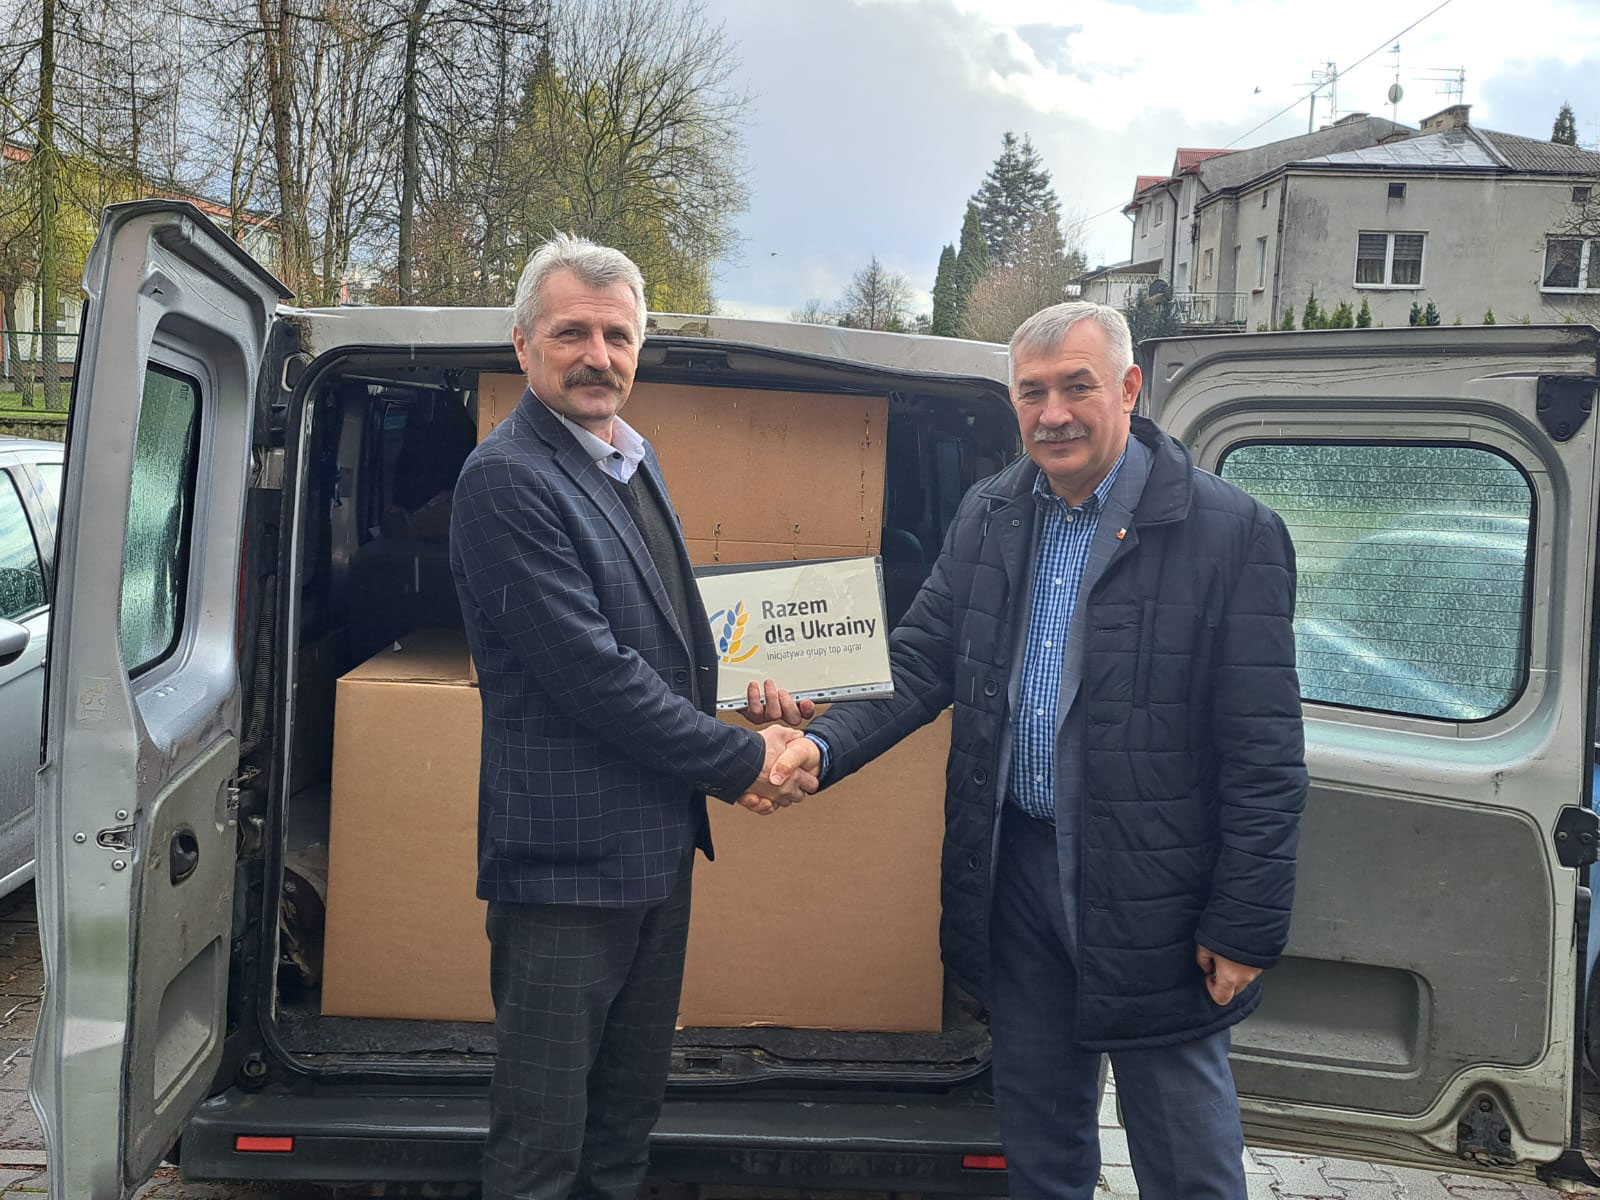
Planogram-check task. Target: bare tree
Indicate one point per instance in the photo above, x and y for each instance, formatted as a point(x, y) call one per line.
point(877, 298)
point(1005, 296)
point(815, 312)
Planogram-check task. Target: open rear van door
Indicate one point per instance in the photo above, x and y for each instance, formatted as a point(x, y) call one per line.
point(1439, 485)
point(136, 836)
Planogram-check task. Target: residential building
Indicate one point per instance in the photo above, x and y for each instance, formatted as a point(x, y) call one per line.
point(1164, 209)
point(1471, 219)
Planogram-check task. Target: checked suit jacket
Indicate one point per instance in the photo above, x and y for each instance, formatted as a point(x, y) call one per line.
point(596, 761)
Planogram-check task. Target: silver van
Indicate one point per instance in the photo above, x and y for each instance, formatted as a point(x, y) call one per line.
point(229, 463)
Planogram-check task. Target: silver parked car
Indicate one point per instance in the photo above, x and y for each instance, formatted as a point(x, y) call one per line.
point(30, 488)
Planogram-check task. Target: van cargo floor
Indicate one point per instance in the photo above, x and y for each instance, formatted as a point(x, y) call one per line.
point(963, 1046)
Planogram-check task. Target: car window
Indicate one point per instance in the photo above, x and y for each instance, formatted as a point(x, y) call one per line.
point(21, 573)
point(1413, 564)
point(49, 474)
point(160, 507)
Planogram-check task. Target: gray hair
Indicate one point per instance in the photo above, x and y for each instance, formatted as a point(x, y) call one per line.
point(1048, 328)
point(595, 266)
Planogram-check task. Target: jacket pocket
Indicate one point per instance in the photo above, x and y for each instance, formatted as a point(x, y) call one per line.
point(1147, 654)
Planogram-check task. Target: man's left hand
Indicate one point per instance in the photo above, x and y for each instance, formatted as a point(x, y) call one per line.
point(1225, 978)
point(763, 705)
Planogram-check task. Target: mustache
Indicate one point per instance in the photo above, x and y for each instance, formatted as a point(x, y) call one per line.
point(1070, 432)
point(587, 376)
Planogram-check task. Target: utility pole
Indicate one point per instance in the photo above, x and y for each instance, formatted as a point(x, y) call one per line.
point(49, 214)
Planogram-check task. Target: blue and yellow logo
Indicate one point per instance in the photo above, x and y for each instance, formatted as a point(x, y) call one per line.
point(727, 627)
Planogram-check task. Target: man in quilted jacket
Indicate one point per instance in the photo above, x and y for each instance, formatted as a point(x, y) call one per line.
point(1113, 627)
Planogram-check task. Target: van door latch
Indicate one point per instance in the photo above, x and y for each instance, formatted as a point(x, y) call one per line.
point(1577, 836)
point(1565, 402)
point(117, 837)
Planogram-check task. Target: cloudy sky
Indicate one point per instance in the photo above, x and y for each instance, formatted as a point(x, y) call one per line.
point(873, 121)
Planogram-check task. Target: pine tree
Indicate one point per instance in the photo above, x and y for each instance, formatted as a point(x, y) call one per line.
point(1566, 127)
point(972, 261)
point(1430, 315)
point(944, 295)
point(1342, 317)
point(1013, 196)
point(1287, 323)
point(1488, 317)
point(1364, 315)
point(1416, 313)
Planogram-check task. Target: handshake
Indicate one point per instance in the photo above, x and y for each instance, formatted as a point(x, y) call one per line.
point(793, 761)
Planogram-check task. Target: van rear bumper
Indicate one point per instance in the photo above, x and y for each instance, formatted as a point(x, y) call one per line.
point(901, 1143)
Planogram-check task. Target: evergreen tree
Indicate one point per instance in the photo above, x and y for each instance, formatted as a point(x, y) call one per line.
point(972, 262)
point(1430, 315)
point(1151, 316)
point(1014, 196)
point(1312, 318)
point(1416, 313)
point(944, 295)
point(1364, 315)
point(1488, 317)
point(1566, 128)
point(1342, 317)
point(1287, 323)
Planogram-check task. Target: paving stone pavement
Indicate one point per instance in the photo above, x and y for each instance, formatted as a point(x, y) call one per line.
point(1270, 1175)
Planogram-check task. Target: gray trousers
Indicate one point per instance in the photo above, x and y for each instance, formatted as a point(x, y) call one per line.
point(586, 1003)
point(1179, 1105)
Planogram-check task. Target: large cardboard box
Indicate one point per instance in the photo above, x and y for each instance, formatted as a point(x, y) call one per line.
point(826, 915)
point(729, 455)
point(405, 929)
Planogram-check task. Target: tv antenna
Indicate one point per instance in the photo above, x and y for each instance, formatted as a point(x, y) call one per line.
point(1327, 77)
point(1396, 92)
point(1450, 81)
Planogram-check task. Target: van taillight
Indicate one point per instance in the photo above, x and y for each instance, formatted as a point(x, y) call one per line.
point(983, 1162)
point(248, 1144)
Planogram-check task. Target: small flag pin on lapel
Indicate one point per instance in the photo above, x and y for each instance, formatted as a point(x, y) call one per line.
point(1121, 533)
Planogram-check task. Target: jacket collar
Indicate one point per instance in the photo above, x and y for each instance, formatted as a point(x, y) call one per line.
point(1167, 493)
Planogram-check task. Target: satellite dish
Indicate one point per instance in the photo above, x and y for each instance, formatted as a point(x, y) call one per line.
point(1396, 93)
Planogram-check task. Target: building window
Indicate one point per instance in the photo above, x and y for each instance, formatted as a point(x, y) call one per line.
point(1160, 213)
point(1580, 195)
point(1397, 191)
point(1389, 259)
point(1571, 265)
point(1233, 279)
point(1210, 263)
point(1261, 262)
point(1264, 192)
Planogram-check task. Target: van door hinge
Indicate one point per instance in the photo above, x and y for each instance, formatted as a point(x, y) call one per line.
point(1483, 1134)
point(117, 837)
point(1577, 836)
point(1565, 402)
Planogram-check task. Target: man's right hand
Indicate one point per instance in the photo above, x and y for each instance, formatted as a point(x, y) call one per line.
point(786, 778)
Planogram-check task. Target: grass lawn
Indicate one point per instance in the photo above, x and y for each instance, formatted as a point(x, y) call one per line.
point(11, 405)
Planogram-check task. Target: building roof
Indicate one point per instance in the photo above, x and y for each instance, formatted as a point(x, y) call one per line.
point(1479, 149)
point(1152, 267)
point(1532, 154)
point(1148, 181)
point(1188, 159)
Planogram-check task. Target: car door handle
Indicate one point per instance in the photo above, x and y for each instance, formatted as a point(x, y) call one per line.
point(184, 855)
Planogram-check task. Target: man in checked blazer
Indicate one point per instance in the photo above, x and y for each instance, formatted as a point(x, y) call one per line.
point(598, 681)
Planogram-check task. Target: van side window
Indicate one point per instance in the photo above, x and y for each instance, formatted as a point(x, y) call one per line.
point(1414, 562)
point(160, 510)
point(21, 573)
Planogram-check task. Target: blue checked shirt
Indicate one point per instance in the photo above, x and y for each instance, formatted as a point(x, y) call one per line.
point(1064, 537)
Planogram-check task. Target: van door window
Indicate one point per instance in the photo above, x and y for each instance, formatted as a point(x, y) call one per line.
point(160, 507)
point(21, 573)
point(1414, 563)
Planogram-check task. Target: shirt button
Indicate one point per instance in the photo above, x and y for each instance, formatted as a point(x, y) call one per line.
point(1058, 581)
point(1048, 645)
point(1038, 778)
point(1071, 518)
point(1038, 712)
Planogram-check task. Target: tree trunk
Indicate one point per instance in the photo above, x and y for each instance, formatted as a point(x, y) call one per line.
point(49, 211)
point(296, 239)
point(411, 151)
point(15, 368)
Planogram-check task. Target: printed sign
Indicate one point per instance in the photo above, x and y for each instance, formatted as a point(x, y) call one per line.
point(817, 628)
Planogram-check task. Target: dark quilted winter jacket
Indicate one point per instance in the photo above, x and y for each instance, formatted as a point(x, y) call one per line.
point(1194, 772)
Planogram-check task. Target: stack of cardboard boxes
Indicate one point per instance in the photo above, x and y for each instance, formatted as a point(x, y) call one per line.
point(823, 916)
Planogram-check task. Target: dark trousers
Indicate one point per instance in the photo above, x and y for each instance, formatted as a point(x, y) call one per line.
point(1179, 1105)
point(586, 1002)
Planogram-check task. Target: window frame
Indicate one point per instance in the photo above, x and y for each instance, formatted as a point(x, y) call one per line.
point(1210, 262)
point(10, 477)
point(1530, 565)
point(1587, 191)
point(191, 488)
point(1388, 284)
point(1261, 264)
point(1585, 254)
point(1397, 189)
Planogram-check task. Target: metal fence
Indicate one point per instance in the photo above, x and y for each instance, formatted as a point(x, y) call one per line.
point(38, 366)
point(1210, 308)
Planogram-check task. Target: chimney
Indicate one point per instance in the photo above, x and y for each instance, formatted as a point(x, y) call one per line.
point(1454, 117)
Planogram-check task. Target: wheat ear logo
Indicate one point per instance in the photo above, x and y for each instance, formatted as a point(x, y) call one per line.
point(727, 626)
